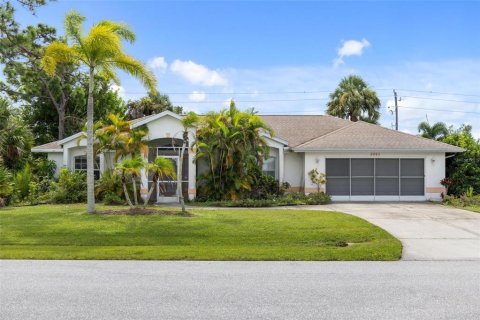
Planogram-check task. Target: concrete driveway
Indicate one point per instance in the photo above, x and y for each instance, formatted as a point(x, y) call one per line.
point(428, 231)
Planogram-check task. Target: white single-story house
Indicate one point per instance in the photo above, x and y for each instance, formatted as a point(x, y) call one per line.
point(362, 161)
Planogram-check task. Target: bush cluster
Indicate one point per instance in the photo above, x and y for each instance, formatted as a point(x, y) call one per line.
point(289, 199)
point(71, 187)
point(462, 201)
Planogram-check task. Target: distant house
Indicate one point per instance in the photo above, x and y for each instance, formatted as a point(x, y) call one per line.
point(362, 161)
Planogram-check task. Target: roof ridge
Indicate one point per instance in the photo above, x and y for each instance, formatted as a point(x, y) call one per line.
point(325, 135)
point(411, 135)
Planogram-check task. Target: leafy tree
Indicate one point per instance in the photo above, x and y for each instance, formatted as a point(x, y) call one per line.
point(437, 131)
point(317, 178)
point(6, 186)
point(231, 143)
point(15, 138)
point(25, 81)
point(354, 100)
point(101, 52)
point(463, 169)
point(160, 168)
point(29, 4)
point(153, 104)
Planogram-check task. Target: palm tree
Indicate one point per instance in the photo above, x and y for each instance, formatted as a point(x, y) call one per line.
point(130, 168)
point(101, 52)
point(437, 131)
point(160, 168)
point(354, 100)
point(188, 121)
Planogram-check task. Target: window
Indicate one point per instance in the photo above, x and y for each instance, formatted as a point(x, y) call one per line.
point(270, 167)
point(81, 165)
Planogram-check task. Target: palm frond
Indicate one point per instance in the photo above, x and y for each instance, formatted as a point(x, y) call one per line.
point(135, 68)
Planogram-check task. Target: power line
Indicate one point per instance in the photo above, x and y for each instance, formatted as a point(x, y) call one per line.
point(438, 99)
point(442, 110)
point(436, 92)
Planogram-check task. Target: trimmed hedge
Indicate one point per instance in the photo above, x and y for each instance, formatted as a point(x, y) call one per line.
point(290, 199)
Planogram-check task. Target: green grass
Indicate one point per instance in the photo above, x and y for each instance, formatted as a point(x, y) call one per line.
point(474, 208)
point(67, 232)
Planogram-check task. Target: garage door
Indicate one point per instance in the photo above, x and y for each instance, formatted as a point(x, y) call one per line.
point(370, 177)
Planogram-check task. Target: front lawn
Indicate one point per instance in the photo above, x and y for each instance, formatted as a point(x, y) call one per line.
point(67, 232)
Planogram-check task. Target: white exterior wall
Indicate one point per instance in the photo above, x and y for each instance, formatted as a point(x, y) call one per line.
point(293, 170)
point(434, 173)
point(56, 157)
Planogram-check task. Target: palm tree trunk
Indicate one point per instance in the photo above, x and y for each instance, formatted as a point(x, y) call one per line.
point(126, 195)
point(61, 123)
point(90, 160)
point(135, 198)
point(149, 194)
point(180, 175)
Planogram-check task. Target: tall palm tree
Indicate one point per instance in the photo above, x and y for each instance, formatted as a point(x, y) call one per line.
point(160, 168)
point(437, 131)
point(188, 121)
point(354, 100)
point(101, 52)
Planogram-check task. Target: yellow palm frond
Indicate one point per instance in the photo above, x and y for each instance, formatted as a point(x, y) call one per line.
point(120, 28)
point(136, 68)
point(101, 44)
point(106, 71)
point(57, 52)
point(74, 25)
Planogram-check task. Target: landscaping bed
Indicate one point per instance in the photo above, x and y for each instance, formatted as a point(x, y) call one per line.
point(67, 232)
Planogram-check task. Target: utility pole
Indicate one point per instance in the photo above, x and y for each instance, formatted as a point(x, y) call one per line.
point(396, 110)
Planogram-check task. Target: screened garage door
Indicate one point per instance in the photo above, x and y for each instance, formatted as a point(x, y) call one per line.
point(375, 177)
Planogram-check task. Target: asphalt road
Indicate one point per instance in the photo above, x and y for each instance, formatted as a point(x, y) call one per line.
point(239, 290)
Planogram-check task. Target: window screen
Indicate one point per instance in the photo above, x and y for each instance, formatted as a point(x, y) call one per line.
point(338, 177)
point(387, 177)
point(270, 167)
point(81, 165)
point(412, 177)
point(362, 177)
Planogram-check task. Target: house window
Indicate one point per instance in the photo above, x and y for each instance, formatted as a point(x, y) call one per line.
point(270, 167)
point(81, 165)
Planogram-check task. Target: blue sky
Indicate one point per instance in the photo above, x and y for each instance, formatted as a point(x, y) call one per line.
point(263, 54)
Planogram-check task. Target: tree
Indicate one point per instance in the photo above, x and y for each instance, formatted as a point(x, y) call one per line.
point(317, 178)
point(463, 169)
point(232, 144)
point(437, 131)
point(130, 168)
point(190, 120)
point(21, 52)
point(101, 52)
point(354, 100)
point(160, 168)
point(153, 104)
point(15, 138)
point(29, 4)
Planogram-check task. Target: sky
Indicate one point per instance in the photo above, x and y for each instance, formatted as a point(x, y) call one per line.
point(286, 57)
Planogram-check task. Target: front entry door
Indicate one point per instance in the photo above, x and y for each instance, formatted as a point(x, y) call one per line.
point(166, 187)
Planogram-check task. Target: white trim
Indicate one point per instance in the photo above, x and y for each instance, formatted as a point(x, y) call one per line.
point(72, 137)
point(276, 139)
point(155, 117)
point(47, 150)
point(372, 150)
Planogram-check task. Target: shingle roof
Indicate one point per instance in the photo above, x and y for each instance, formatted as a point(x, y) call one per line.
point(50, 145)
point(298, 129)
point(365, 136)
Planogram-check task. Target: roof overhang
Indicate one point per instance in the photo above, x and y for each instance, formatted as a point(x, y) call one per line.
point(46, 150)
point(155, 117)
point(378, 150)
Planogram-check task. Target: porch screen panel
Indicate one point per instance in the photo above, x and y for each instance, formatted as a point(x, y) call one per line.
point(362, 177)
point(412, 177)
point(338, 177)
point(387, 177)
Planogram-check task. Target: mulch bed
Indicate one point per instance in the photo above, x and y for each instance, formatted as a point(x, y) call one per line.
point(147, 211)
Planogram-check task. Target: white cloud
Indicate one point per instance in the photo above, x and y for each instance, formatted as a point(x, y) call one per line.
point(197, 96)
point(197, 73)
point(119, 89)
point(158, 63)
point(350, 48)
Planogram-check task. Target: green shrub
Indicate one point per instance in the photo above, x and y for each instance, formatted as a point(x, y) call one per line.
point(462, 201)
point(70, 188)
point(289, 199)
point(6, 186)
point(109, 183)
point(23, 178)
point(112, 199)
point(44, 168)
